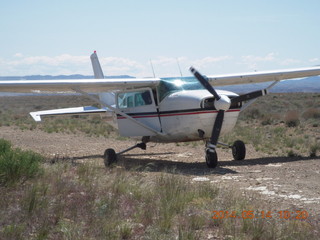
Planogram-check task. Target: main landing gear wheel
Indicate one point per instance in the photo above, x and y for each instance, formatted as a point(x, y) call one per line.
point(211, 159)
point(238, 150)
point(109, 157)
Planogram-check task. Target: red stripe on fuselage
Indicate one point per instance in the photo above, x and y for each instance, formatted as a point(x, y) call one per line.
point(176, 114)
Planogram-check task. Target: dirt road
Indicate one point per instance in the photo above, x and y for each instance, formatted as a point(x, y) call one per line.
point(288, 183)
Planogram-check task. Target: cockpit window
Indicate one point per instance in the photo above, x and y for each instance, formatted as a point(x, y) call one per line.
point(168, 86)
point(134, 99)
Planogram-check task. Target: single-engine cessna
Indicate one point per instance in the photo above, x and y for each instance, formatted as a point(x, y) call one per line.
point(165, 110)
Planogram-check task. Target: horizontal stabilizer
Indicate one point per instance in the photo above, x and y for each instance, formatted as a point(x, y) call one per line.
point(69, 111)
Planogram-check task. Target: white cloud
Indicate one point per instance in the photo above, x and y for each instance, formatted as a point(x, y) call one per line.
point(207, 61)
point(18, 55)
point(121, 66)
point(269, 61)
point(253, 62)
point(20, 65)
point(314, 60)
point(29, 65)
point(164, 61)
point(289, 62)
point(169, 66)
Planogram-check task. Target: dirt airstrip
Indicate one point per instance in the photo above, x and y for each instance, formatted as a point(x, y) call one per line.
point(287, 183)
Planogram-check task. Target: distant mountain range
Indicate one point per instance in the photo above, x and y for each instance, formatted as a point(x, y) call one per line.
point(310, 84)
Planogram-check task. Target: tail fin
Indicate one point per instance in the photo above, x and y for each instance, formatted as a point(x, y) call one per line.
point(98, 74)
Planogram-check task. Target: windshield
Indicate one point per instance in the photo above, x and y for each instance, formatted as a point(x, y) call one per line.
point(168, 86)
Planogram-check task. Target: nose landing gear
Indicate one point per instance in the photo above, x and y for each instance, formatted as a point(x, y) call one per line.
point(238, 153)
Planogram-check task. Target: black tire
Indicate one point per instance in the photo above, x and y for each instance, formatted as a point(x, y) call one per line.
point(211, 159)
point(109, 157)
point(238, 150)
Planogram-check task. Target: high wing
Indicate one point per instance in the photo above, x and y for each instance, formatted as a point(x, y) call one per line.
point(266, 76)
point(65, 85)
point(106, 85)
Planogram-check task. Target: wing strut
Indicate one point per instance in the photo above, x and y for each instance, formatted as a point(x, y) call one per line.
point(266, 90)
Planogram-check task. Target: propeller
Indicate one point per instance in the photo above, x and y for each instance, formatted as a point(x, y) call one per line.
point(249, 96)
point(222, 103)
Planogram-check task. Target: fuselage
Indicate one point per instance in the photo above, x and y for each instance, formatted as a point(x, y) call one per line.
point(190, 115)
point(179, 109)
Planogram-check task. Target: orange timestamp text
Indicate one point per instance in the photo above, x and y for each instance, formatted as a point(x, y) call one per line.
point(250, 214)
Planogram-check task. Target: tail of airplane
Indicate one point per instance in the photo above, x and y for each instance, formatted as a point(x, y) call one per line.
point(106, 97)
point(97, 70)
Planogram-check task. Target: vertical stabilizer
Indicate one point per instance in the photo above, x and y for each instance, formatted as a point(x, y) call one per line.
point(98, 74)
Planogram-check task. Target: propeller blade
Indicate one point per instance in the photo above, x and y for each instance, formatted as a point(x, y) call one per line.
point(217, 128)
point(204, 83)
point(249, 96)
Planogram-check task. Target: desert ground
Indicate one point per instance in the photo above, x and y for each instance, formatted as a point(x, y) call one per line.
point(284, 181)
point(288, 183)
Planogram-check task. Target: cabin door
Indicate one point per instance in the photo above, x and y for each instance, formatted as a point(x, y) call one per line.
point(140, 105)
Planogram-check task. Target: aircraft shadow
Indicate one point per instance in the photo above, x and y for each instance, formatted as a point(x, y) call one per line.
point(132, 162)
point(200, 168)
point(176, 167)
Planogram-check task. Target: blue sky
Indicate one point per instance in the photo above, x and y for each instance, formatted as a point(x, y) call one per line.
point(57, 37)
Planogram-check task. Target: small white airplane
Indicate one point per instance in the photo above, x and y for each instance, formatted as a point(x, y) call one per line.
point(177, 109)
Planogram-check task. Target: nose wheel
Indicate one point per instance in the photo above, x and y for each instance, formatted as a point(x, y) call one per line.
point(211, 158)
point(238, 153)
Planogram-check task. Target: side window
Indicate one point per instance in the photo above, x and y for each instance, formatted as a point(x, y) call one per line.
point(134, 99)
point(122, 100)
point(130, 102)
point(146, 97)
point(138, 100)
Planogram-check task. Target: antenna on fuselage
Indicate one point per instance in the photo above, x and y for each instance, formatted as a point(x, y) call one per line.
point(154, 75)
point(179, 67)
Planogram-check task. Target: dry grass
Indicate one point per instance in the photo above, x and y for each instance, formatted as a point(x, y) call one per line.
point(88, 201)
point(292, 118)
point(311, 113)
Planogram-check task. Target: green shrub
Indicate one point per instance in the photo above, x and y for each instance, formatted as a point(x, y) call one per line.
point(5, 146)
point(17, 165)
point(292, 154)
point(253, 113)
